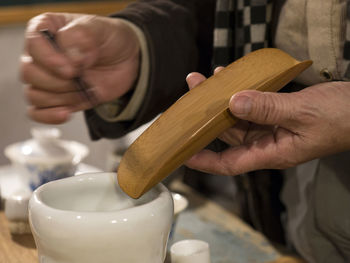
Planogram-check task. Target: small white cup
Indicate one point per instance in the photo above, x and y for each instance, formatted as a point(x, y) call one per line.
point(190, 251)
point(16, 205)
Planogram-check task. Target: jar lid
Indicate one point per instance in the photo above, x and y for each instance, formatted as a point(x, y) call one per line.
point(45, 145)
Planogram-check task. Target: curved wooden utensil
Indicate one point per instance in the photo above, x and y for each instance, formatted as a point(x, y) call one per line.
point(199, 117)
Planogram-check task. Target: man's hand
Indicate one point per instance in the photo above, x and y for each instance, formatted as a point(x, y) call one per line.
point(280, 130)
point(103, 51)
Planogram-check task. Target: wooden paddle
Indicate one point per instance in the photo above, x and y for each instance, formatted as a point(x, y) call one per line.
point(287, 259)
point(199, 117)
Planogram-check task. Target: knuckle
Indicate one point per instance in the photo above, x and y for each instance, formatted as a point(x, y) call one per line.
point(80, 34)
point(29, 95)
point(24, 73)
point(38, 22)
point(86, 39)
point(52, 63)
point(272, 108)
point(268, 111)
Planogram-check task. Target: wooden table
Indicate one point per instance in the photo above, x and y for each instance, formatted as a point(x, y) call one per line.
point(230, 239)
point(201, 212)
point(15, 248)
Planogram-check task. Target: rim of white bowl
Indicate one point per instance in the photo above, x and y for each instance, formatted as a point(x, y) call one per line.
point(163, 191)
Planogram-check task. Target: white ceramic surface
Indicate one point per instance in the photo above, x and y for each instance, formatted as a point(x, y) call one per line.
point(16, 205)
point(45, 157)
point(180, 203)
point(190, 251)
point(87, 218)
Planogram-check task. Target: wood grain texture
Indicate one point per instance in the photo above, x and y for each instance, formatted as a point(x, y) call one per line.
point(15, 248)
point(286, 259)
point(199, 117)
point(21, 14)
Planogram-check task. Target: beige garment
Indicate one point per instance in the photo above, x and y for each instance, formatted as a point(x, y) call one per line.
point(307, 29)
point(314, 29)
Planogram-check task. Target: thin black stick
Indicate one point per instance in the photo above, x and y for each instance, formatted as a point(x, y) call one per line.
point(81, 85)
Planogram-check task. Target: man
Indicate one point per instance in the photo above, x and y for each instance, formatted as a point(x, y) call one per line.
point(136, 63)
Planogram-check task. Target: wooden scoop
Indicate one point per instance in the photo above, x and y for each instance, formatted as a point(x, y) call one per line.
point(199, 117)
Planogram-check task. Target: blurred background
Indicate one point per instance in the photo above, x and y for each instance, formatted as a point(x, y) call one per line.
point(14, 124)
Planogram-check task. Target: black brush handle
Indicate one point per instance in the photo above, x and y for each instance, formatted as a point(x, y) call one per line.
point(81, 85)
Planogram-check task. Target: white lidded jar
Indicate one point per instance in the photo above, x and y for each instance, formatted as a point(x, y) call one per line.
point(45, 157)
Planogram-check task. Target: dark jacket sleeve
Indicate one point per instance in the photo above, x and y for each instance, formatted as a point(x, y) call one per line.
point(179, 37)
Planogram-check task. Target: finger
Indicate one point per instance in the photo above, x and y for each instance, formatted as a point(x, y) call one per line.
point(261, 154)
point(258, 131)
point(46, 56)
point(230, 162)
point(41, 78)
point(218, 69)
point(79, 41)
point(236, 135)
point(193, 79)
point(44, 99)
point(55, 115)
point(264, 107)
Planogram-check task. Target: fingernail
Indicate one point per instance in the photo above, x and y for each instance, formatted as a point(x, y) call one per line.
point(241, 105)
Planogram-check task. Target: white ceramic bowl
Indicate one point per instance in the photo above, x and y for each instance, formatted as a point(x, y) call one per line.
point(87, 218)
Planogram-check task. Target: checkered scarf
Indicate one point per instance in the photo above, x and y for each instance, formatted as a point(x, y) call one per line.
point(242, 26)
point(346, 53)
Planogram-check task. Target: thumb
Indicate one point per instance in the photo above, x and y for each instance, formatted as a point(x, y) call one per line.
point(265, 108)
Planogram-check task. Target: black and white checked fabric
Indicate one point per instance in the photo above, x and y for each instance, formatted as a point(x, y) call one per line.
point(346, 52)
point(241, 26)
